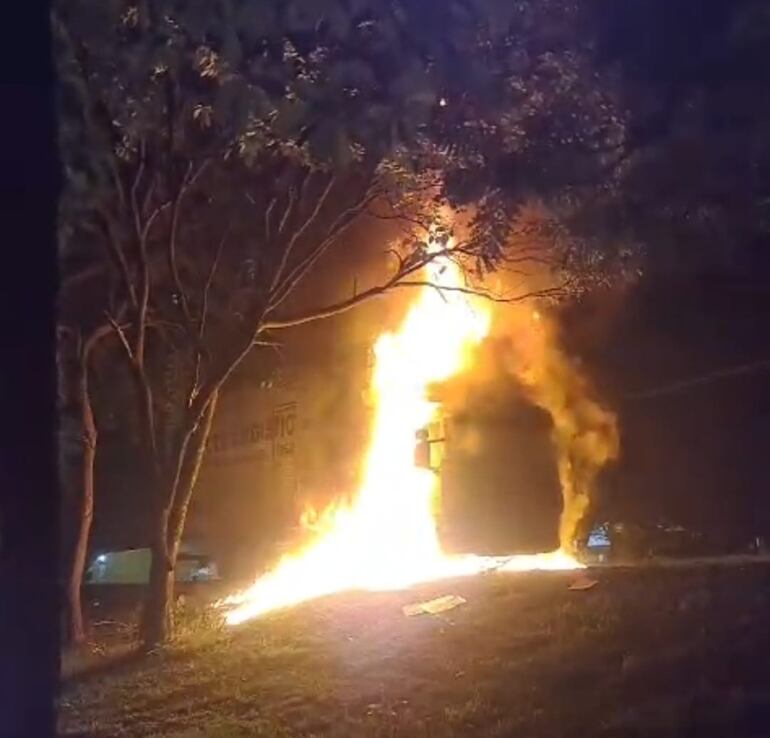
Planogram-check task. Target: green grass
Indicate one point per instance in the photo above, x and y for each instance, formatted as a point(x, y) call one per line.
point(663, 652)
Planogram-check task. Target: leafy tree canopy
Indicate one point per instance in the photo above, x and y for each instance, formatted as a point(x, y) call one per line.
point(692, 183)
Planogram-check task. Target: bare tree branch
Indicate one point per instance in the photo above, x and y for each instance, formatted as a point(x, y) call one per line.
point(118, 257)
point(399, 279)
point(400, 217)
point(138, 176)
point(209, 282)
point(295, 200)
point(204, 314)
point(154, 215)
point(481, 293)
point(345, 305)
point(148, 195)
point(144, 269)
point(268, 214)
point(297, 274)
point(298, 233)
point(198, 173)
point(198, 407)
point(189, 180)
point(144, 387)
point(120, 332)
point(172, 237)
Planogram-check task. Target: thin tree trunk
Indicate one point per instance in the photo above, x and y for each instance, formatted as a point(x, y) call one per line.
point(76, 632)
point(189, 479)
point(158, 622)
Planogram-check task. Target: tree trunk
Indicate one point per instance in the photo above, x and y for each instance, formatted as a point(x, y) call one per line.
point(76, 632)
point(158, 622)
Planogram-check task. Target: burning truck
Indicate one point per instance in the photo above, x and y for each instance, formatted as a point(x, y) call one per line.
point(386, 535)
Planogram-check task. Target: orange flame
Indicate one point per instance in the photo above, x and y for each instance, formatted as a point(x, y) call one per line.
point(386, 538)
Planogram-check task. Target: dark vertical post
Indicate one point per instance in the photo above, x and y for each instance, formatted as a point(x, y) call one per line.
point(29, 611)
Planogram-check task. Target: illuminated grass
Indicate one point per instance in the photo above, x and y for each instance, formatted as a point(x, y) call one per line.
point(663, 652)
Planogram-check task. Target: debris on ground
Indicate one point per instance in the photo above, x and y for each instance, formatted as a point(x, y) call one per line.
point(434, 606)
point(582, 583)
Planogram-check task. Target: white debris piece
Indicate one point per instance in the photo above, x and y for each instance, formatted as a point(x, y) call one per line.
point(434, 606)
point(583, 583)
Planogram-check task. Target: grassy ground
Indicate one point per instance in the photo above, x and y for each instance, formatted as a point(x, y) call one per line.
point(648, 652)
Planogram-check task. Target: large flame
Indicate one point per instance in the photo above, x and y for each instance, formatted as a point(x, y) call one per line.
point(386, 538)
point(585, 433)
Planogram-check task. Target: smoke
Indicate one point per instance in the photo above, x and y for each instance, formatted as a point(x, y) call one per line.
point(585, 433)
point(525, 346)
